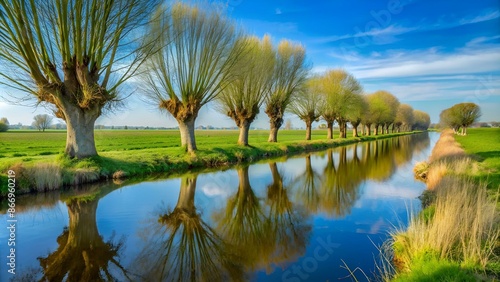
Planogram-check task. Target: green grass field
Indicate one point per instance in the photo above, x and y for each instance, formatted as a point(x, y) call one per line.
point(33, 143)
point(33, 146)
point(485, 144)
point(37, 155)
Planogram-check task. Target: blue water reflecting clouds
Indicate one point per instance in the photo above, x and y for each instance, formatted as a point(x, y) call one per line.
point(291, 219)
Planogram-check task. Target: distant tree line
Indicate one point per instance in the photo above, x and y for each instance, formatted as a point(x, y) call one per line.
point(75, 55)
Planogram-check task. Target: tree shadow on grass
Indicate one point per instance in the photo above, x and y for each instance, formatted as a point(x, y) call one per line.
point(488, 155)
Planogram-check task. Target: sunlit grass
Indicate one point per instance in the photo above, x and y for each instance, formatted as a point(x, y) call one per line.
point(456, 237)
point(484, 145)
point(143, 152)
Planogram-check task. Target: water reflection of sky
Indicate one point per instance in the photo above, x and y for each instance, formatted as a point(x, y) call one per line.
point(127, 213)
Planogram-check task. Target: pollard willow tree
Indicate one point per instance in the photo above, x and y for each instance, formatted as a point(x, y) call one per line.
point(289, 75)
point(307, 104)
point(421, 120)
point(357, 110)
point(252, 81)
point(459, 116)
point(404, 118)
point(383, 107)
point(342, 95)
point(72, 55)
point(199, 48)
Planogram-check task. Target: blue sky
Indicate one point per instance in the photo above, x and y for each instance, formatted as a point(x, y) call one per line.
point(430, 54)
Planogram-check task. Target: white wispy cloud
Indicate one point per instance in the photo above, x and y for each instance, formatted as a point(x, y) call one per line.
point(419, 64)
point(278, 11)
point(485, 16)
point(482, 40)
point(392, 30)
point(385, 35)
point(469, 73)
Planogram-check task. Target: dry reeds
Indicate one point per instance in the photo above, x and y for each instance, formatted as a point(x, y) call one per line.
point(464, 226)
point(40, 177)
point(46, 176)
point(447, 158)
point(447, 148)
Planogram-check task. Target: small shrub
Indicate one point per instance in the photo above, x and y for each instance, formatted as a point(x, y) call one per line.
point(421, 170)
point(119, 174)
point(3, 127)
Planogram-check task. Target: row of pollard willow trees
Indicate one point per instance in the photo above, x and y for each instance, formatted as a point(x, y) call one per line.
point(76, 55)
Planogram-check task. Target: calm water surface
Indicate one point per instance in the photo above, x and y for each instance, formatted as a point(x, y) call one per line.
point(298, 219)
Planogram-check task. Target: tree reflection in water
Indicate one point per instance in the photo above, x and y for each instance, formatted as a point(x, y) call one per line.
point(82, 254)
point(270, 232)
point(306, 187)
point(182, 247)
point(289, 228)
point(244, 224)
point(339, 189)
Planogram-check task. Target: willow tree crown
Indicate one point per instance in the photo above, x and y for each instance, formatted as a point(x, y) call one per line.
point(198, 49)
point(252, 80)
point(74, 51)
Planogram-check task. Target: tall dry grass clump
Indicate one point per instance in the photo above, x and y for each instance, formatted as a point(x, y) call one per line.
point(464, 226)
point(447, 158)
point(46, 176)
point(40, 177)
point(447, 148)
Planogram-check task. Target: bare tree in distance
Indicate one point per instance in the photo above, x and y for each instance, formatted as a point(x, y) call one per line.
point(199, 48)
point(290, 73)
point(42, 122)
point(73, 56)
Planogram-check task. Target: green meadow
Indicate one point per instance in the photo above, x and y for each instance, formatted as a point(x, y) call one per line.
point(484, 145)
point(38, 159)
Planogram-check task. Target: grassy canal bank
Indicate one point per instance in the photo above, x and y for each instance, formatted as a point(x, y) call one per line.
point(40, 166)
point(456, 236)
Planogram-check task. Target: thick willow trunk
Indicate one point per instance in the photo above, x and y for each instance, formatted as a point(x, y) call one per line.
point(342, 128)
point(273, 134)
point(355, 130)
point(244, 128)
point(329, 134)
point(368, 129)
point(375, 130)
point(186, 128)
point(80, 141)
point(308, 130)
point(275, 125)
